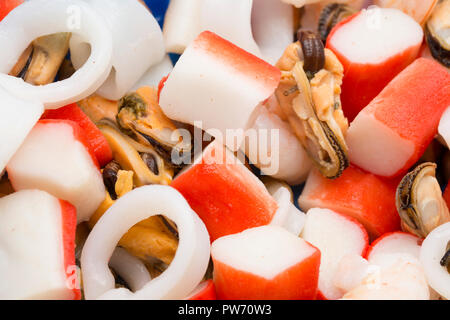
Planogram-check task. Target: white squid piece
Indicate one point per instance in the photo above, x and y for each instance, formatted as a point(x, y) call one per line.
point(42, 17)
point(154, 74)
point(287, 215)
point(262, 27)
point(272, 146)
point(404, 279)
point(187, 268)
point(433, 249)
point(130, 268)
point(181, 24)
point(137, 44)
point(272, 28)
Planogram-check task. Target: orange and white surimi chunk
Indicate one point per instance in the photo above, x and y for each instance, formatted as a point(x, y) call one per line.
point(56, 158)
point(219, 84)
point(394, 130)
point(395, 243)
point(358, 194)
point(266, 263)
point(37, 247)
point(373, 45)
point(226, 195)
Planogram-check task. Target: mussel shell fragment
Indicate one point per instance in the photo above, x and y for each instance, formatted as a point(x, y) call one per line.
point(419, 201)
point(313, 52)
point(330, 16)
point(437, 50)
point(437, 32)
point(110, 177)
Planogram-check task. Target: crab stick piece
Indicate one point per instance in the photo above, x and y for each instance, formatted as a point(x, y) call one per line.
point(204, 291)
point(56, 158)
point(336, 236)
point(394, 130)
point(17, 118)
point(265, 263)
point(137, 44)
point(37, 236)
point(6, 6)
point(220, 85)
point(185, 271)
point(373, 45)
point(43, 17)
point(394, 243)
point(224, 193)
point(94, 137)
point(358, 194)
point(435, 259)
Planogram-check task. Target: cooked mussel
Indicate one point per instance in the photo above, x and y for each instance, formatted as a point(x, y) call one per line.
point(438, 33)
point(98, 108)
point(140, 116)
point(314, 110)
point(330, 16)
point(40, 62)
point(419, 201)
point(129, 155)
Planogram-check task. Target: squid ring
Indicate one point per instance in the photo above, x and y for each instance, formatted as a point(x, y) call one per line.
point(130, 268)
point(188, 266)
point(43, 17)
point(433, 249)
point(137, 44)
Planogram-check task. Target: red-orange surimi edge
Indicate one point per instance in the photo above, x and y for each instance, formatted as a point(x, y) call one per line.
point(69, 224)
point(363, 196)
point(379, 239)
point(298, 282)
point(364, 81)
point(227, 197)
point(242, 61)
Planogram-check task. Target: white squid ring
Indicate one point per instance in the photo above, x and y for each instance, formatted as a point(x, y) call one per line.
point(187, 268)
point(130, 268)
point(137, 41)
point(433, 249)
point(37, 18)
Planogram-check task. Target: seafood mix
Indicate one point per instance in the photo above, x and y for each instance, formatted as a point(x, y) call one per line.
point(266, 149)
